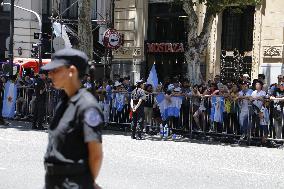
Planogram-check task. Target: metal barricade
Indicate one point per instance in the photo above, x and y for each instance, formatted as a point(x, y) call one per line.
point(194, 119)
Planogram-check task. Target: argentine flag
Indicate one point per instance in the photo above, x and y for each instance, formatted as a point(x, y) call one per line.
point(170, 107)
point(9, 100)
point(119, 101)
point(217, 109)
point(153, 77)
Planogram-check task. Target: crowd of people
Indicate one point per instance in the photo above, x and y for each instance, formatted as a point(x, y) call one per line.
point(229, 105)
point(239, 107)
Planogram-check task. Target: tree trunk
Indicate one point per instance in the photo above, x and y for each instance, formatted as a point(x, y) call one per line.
point(193, 65)
point(85, 28)
point(196, 43)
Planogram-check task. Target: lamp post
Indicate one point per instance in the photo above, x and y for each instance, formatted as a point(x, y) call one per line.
point(12, 30)
point(11, 45)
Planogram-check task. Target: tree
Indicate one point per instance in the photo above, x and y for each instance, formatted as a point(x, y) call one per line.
point(85, 28)
point(197, 43)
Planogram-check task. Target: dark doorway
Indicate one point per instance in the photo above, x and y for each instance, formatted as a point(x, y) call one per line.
point(237, 42)
point(167, 24)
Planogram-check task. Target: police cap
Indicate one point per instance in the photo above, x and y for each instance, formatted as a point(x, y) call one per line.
point(68, 57)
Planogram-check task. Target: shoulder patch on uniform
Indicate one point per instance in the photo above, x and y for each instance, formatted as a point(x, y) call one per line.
point(92, 117)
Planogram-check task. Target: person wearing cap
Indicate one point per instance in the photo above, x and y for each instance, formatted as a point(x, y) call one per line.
point(244, 97)
point(246, 78)
point(138, 98)
point(74, 151)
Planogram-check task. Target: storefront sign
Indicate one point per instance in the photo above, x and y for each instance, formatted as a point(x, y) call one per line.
point(165, 47)
point(127, 52)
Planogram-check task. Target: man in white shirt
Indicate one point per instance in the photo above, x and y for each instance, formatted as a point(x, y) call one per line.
point(244, 96)
point(258, 98)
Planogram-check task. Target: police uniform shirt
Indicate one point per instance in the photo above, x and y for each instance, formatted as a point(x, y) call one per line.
point(77, 121)
point(137, 94)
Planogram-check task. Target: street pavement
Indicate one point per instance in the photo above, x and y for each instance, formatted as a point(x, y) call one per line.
point(149, 164)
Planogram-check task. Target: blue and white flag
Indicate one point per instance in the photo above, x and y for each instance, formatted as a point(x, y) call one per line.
point(217, 109)
point(60, 31)
point(119, 101)
point(153, 77)
point(169, 106)
point(9, 100)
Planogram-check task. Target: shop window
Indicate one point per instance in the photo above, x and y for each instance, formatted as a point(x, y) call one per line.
point(237, 42)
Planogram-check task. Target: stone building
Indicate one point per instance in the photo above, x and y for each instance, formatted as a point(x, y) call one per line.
point(155, 32)
point(26, 23)
point(250, 41)
point(258, 33)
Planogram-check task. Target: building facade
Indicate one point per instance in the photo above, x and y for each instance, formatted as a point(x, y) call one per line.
point(131, 20)
point(154, 31)
point(257, 33)
point(242, 42)
point(26, 24)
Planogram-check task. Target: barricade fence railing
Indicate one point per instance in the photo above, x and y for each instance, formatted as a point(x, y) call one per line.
point(187, 114)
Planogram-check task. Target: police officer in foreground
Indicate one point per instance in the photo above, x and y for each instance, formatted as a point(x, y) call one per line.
point(74, 152)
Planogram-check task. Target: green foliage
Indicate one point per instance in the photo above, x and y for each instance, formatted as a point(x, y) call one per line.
point(217, 6)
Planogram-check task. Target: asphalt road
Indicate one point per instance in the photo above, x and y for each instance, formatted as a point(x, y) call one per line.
point(151, 163)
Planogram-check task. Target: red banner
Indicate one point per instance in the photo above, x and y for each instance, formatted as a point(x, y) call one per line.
point(165, 47)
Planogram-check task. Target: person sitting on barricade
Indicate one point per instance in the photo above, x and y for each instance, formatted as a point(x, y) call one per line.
point(197, 111)
point(244, 100)
point(278, 110)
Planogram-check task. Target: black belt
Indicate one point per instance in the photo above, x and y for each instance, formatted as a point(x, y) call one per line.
point(65, 169)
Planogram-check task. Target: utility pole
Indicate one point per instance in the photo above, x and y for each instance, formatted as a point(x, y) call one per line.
point(11, 45)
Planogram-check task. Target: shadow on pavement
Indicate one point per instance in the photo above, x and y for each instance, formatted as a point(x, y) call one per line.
point(19, 125)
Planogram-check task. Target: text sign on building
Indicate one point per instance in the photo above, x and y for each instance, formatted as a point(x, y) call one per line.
point(165, 47)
